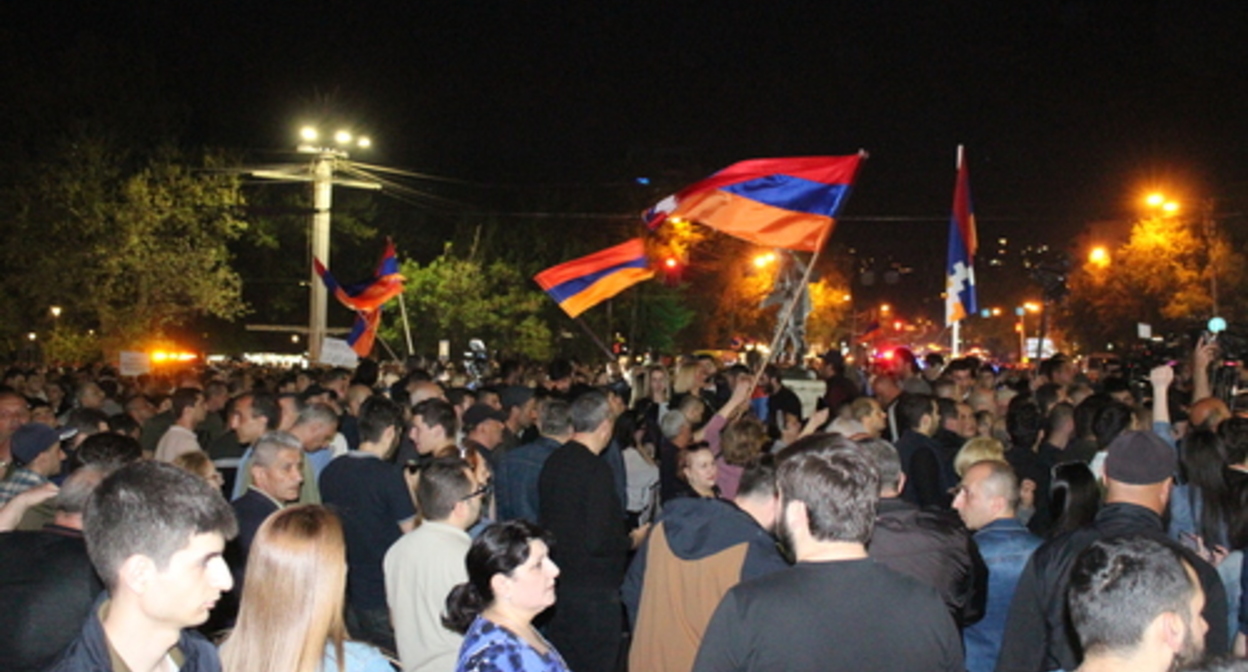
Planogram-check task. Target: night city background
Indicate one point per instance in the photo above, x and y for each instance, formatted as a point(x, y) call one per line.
point(539, 132)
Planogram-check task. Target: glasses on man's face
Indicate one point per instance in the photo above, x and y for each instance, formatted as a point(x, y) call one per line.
point(482, 491)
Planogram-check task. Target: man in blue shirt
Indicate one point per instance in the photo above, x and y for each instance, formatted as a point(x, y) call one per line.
point(515, 481)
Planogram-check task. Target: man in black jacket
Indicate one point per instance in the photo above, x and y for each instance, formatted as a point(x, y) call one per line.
point(925, 483)
point(1139, 472)
point(933, 547)
point(578, 504)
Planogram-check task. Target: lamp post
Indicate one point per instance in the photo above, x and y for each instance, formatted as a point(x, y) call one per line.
point(324, 161)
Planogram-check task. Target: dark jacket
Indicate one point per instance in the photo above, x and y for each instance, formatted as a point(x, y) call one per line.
point(90, 652)
point(920, 462)
point(47, 587)
point(578, 504)
point(1037, 629)
point(936, 549)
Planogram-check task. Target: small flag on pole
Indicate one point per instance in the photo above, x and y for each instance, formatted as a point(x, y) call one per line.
point(960, 298)
point(791, 203)
point(366, 298)
point(583, 283)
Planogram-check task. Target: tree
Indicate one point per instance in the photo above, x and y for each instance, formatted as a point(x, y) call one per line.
point(128, 245)
point(458, 299)
point(1159, 277)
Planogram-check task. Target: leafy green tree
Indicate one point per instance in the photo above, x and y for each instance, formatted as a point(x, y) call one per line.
point(127, 245)
point(1161, 276)
point(459, 299)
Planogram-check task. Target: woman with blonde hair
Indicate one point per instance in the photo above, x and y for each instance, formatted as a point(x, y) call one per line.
point(290, 618)
point(689, 378)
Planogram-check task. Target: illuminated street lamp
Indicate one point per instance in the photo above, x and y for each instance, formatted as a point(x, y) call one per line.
point(1099, 257)
point(764, 259)
point(884, 308)
point(324, 162)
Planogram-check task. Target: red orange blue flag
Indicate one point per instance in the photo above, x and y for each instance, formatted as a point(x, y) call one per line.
point(366, 297)
point(960, 299)
point(583, 283)
point(790, 203)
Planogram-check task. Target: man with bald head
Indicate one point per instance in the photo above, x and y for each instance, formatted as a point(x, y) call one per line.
point(987, 499)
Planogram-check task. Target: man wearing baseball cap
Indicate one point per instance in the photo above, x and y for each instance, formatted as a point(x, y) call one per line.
point(37, 457)
point(483, 432)
point(1139, 470)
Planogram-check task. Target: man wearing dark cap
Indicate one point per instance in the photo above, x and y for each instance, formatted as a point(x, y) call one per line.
point(520, 405)
point(37, 458)
point(483, 432)
point(1139, 469)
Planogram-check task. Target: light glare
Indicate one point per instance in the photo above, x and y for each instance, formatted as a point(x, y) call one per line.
point(308, 133)
point(342, 137)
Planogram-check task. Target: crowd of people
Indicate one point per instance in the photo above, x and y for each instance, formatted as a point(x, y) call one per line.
point(921, 514)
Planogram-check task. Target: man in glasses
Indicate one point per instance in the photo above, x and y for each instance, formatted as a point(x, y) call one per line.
point(421, 568)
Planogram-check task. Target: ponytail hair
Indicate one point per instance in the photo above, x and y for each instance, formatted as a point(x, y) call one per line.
point(500, 549)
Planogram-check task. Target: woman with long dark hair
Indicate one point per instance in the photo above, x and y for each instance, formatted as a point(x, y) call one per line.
point(511, 579)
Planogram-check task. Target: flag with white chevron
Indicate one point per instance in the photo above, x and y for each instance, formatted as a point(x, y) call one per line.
point(960, 266)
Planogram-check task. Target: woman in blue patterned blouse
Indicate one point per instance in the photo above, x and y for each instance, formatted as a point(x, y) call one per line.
point(511, 579)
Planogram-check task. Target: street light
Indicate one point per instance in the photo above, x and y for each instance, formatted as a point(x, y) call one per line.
point(323, 163)
point(56, 311)
point(764, 259)
point(1099, 257)
point(884, 308)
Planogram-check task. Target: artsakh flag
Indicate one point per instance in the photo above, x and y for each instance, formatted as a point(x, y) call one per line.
point(366, 298)
point(960, 298)
point(790, 203)
point(581, 284)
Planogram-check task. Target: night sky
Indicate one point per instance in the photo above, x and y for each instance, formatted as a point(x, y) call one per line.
point(1068, 109)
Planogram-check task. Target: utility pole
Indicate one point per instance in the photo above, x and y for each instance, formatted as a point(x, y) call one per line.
point(321, 174)
point(322, 200)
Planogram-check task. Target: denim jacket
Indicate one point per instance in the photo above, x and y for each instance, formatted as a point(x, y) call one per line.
point(1005, 545)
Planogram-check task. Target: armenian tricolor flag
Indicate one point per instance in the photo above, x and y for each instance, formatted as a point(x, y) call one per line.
point(366, 298)
point(581, 284)
point(960, 298)
point(790, 203)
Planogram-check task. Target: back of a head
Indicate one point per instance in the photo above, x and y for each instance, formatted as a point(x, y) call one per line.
point(377, 414)
point(294, 592)
point(443, 483)
point(1234, 434)
point(1074, 496)
point(758, 479)
point(862, 407)
point(87, 421)
point(554, 417)
point(1112, 420)
point(886, 460)
point(947, 408)
point(1086, 411)
point(837, 482)
point(911, 408)
point(1000, 481)
point(77, 489)
point(589, 411)
point(1119, 587)
point(977, 449)
point(110, 449)
point(316, 413)
point(151, 509)
point(500, 549)
point(1023, 422)
point(1060, 415)
point(742, 440)
point(672, 423)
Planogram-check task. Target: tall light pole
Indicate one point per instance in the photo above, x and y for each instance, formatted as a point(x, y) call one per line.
point(320, 173)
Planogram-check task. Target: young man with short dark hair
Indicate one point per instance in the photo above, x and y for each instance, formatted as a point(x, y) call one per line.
point(155, 534)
